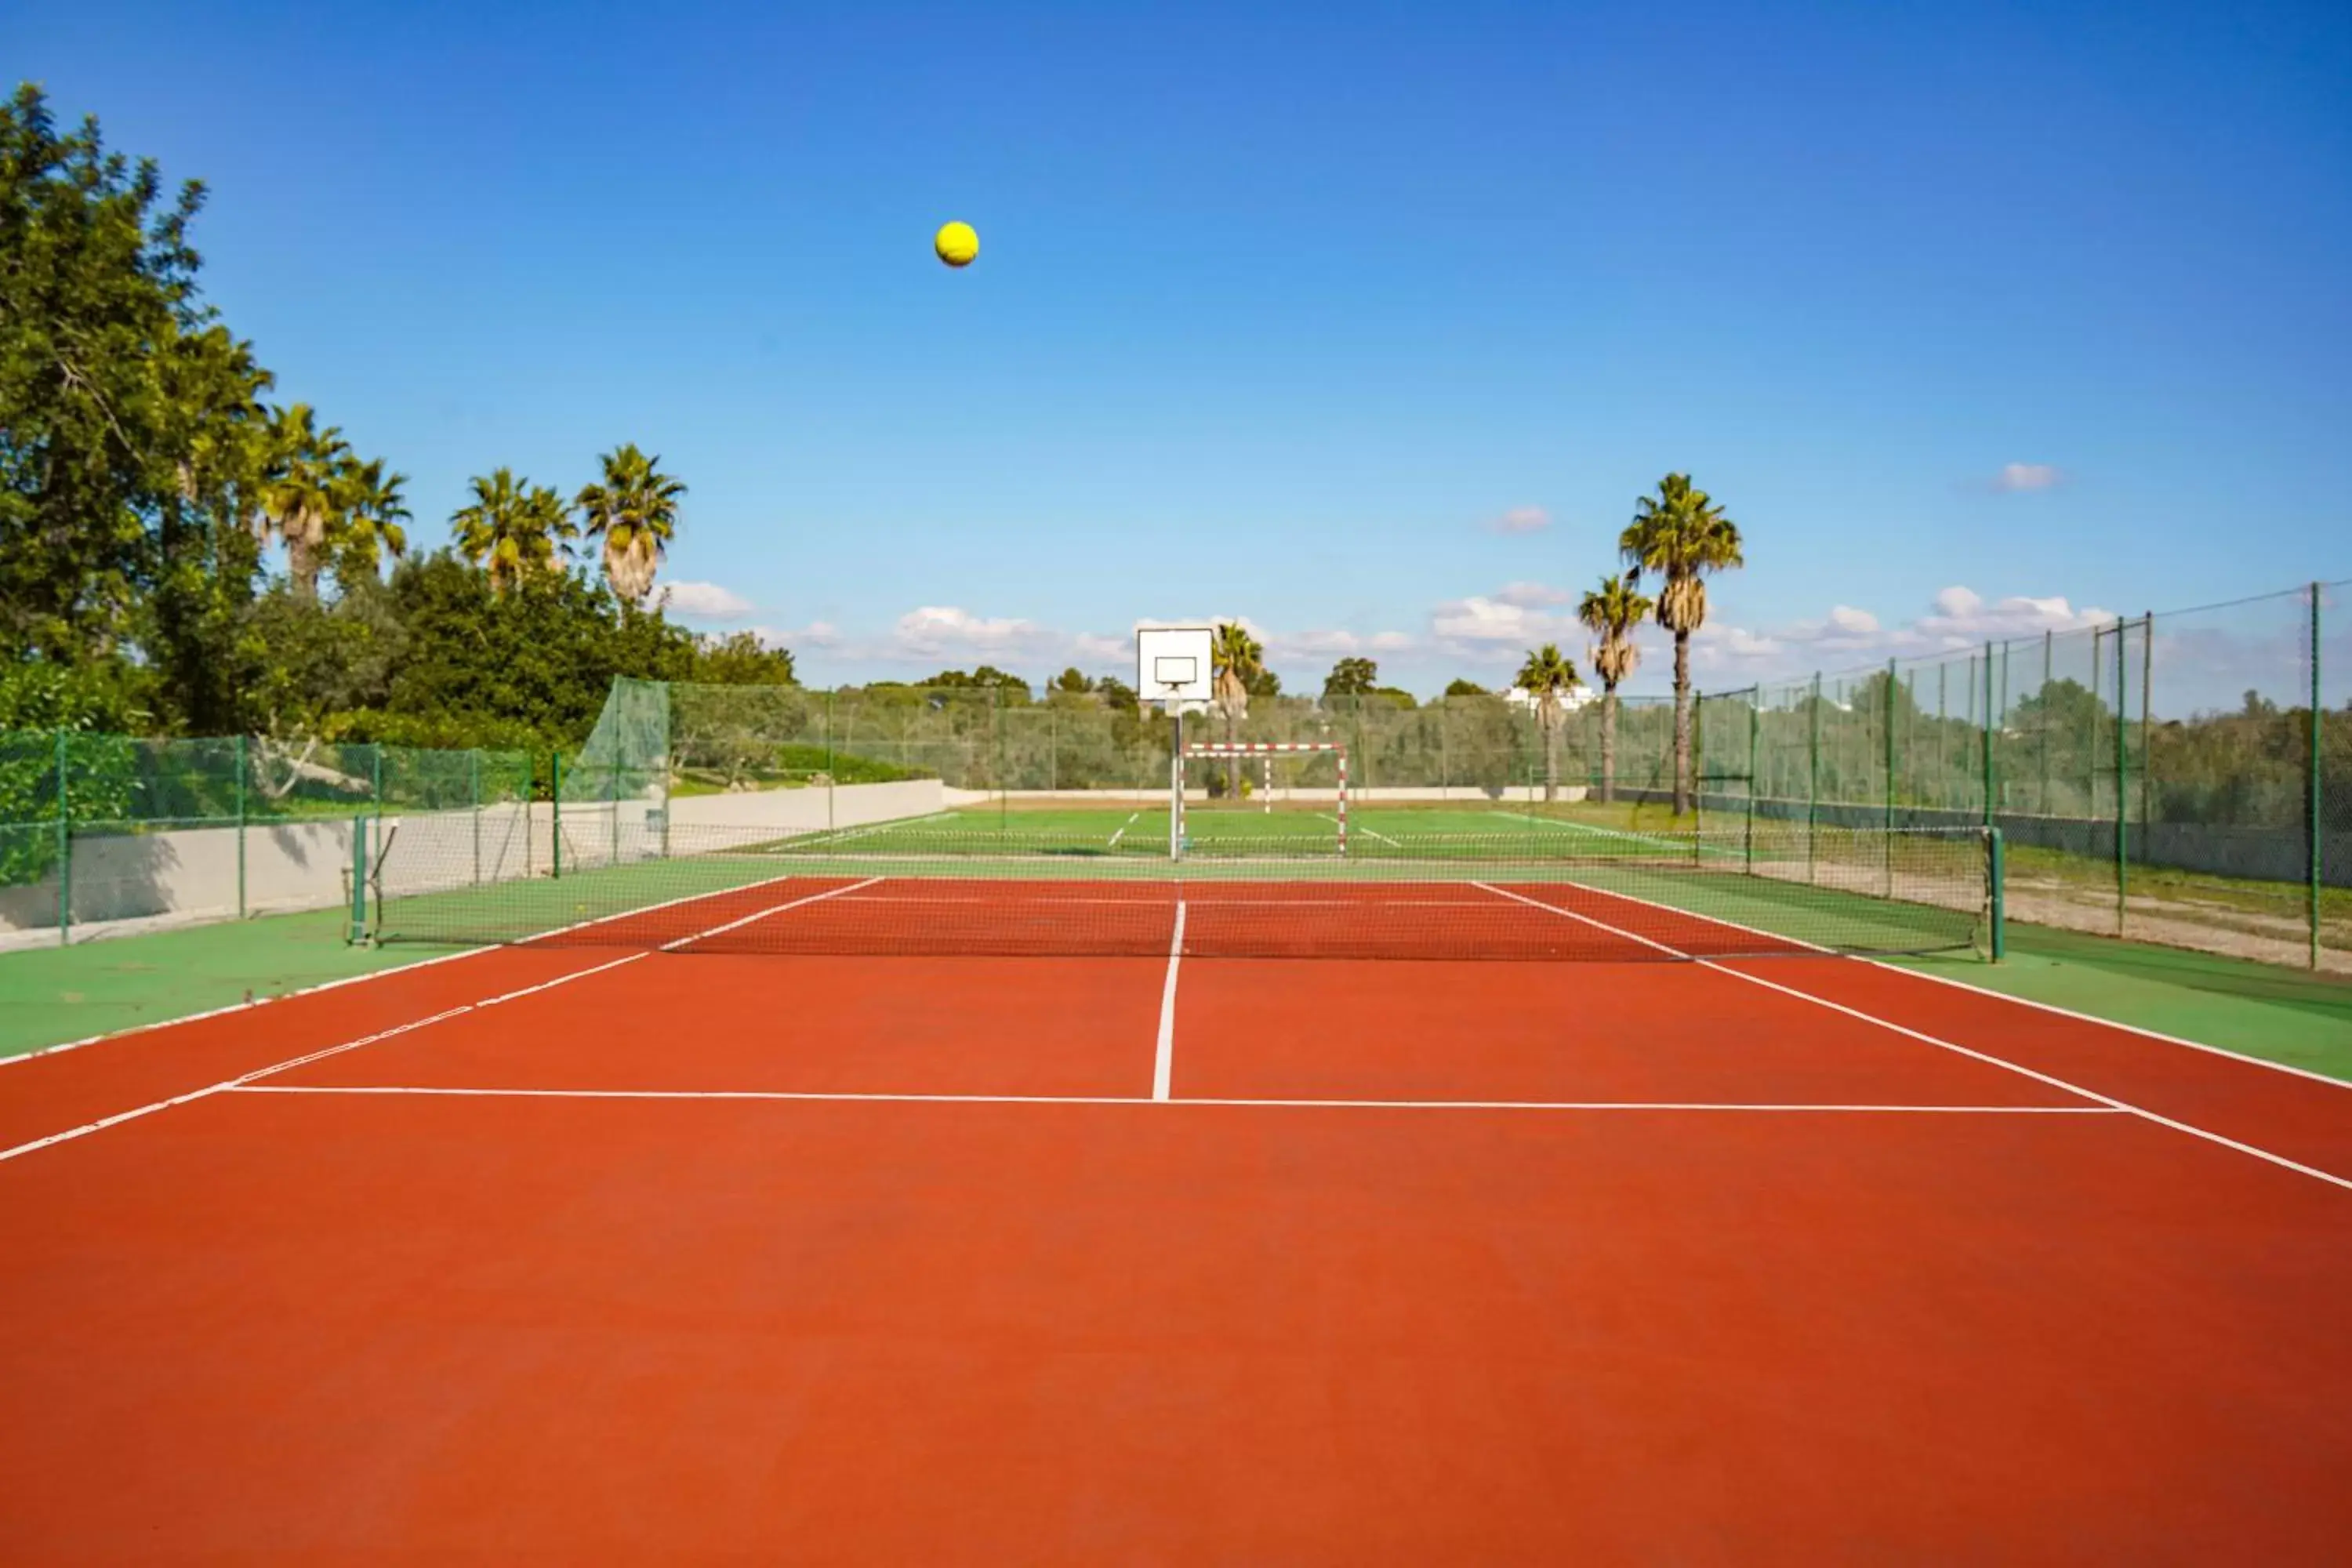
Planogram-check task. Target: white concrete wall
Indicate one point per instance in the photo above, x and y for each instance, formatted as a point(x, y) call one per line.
point(813, 808)
point(142, 881)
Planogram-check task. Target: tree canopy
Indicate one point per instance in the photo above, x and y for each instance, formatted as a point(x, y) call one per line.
point(144, 478)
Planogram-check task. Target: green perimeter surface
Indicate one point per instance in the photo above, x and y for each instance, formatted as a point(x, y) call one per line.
point(2254, 1009)
point(49, 996)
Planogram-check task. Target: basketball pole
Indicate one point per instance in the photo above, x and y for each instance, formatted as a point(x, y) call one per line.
point(1176, 780)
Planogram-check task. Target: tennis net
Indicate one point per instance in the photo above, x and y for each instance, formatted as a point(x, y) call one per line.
point(942, 887)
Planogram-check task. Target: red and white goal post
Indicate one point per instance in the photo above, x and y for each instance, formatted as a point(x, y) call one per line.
point(1266, 752)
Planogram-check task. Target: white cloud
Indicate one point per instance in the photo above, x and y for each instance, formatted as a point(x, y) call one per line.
point(2016, 476)
point(706, 600)
point(1527, 595)
point(1959, 619)
point(945, 631)
point(1521, 519)
point(1485, 623)
point(816, 634)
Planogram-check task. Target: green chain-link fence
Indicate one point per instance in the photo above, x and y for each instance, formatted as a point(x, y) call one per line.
point(97, 829)
point(2183, 778)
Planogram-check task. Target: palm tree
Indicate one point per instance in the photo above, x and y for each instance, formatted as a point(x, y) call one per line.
point(1237, 658)
point(515, 527)
point(633, 508)
point(1549, 676)
point(300, 503)
point(371, 510)
point(1680, 536)
point(1611, 613)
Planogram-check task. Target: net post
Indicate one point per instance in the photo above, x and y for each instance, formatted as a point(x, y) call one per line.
point(2123, 784)
point(240, 763)
point(555, 814)
point(2312, 822)
point(358, 932)
point(1996, 880)
point(64, 847)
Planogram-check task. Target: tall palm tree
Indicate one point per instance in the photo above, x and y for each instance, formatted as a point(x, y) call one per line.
point(1680, 536)
point(1611, 611)
point(300, 503)
point(1549, 676)
point(1237, 658)
point(515, 527)
point(634, 509)
point(370, 509)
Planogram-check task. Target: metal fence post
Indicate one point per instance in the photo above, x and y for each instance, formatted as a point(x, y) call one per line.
point(2147, 733)
point(1887, 710)
point(1988, 735)
point(1755, 703)
point(1813, 776)
point(555, 814)
point(474, 795)
point(64, 848)
point(2123, 785)
point(2313, 824)
point(241, 827)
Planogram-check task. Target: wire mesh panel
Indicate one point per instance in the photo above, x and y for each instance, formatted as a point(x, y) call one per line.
point(945, 887)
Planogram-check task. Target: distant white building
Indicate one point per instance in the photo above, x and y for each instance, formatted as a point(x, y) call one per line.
point(1574, 698)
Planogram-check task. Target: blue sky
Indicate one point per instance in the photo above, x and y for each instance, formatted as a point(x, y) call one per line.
point(1367, 323)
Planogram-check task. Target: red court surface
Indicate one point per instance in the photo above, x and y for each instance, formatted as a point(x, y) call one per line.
point(851, 1259)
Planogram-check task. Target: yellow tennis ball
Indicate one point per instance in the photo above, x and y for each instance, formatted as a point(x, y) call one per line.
point(957, 243)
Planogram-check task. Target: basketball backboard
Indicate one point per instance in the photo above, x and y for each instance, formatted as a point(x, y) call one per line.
point(1173, 664)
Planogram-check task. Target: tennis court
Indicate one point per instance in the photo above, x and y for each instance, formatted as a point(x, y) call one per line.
point(927, 1196)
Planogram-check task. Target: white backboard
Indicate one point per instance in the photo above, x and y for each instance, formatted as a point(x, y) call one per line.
point(1173, 664)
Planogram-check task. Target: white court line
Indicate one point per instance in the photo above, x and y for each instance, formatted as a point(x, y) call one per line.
point(1986, 1058)
point(1164, 1055)
point(242, 1079)
point(772, 909)
point(1121, 832)
point(1367, 832)
point(1269, 1104)
point(1982, 991)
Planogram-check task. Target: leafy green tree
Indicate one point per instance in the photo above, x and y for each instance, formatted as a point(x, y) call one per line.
point(1549, 676)
point(1611, 613)
point(632, 508)
point(96, 290)
point(370, 509)
point(1073, 682)
point(515, 529)
point(307, 488)
point(1680, 536)
point(1458, 687)
point(1351, 678)
point(740, 658)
